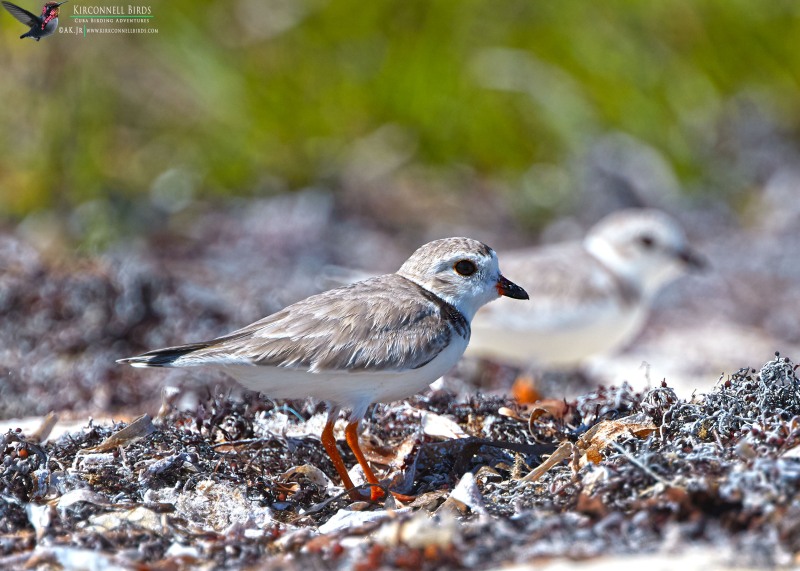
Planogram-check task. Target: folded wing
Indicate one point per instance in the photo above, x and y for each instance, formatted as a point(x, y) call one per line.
point(387, 323)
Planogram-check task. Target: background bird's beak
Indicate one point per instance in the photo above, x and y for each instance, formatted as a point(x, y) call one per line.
point(510, 289)
point(692, 259)
point(64, 2)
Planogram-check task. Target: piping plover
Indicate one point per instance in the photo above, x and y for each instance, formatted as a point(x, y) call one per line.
point(587, 298)
point(378, 340)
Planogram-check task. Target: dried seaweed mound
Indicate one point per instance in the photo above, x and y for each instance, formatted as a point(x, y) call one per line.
point(247, 482)
point(722, 465)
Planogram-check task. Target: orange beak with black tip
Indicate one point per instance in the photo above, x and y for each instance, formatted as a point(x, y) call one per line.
point(510, 289)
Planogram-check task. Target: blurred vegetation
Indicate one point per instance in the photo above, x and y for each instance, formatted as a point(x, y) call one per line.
point(250, 97)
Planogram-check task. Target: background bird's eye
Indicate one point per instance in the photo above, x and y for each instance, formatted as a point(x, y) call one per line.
point(465, 267)
point(647, 241)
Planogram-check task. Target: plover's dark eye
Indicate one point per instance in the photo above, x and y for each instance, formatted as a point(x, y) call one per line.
point(465, 267)
point(647, 241)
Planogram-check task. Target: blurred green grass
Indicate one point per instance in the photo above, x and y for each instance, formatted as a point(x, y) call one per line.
point(247, 97)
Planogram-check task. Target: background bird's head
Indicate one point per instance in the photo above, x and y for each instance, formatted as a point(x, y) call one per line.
point(646, 247)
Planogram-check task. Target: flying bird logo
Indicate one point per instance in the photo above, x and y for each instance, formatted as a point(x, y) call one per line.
point(40, 26)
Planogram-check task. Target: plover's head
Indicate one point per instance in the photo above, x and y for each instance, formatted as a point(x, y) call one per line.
point(645, 246)
point(462, 271)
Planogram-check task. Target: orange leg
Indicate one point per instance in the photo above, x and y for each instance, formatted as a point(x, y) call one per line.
point(329, 442)
point(351, 433)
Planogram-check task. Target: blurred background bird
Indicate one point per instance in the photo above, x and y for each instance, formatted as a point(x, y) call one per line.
point(588, 297)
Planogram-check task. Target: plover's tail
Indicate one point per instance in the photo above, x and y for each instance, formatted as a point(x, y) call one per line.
point(163, 357)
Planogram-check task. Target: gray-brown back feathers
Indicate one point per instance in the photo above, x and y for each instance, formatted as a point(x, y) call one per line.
point(385, 323)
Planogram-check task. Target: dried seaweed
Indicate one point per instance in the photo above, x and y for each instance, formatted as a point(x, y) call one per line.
point(220, 486)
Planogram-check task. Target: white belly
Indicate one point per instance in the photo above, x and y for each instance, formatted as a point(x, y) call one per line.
point(558, 344)
point(350, 390)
